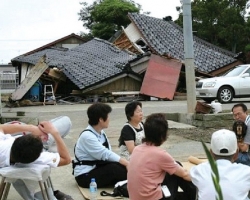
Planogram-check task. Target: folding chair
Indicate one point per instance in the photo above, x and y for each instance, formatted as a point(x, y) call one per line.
point(31, 174)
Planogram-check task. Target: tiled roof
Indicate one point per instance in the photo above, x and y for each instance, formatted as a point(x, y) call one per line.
point(86, 64)
point(51, 53)
point(51, 44)
point(166, 38)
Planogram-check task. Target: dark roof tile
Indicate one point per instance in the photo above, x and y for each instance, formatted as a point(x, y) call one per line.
point(86, 64)
point(166, 37)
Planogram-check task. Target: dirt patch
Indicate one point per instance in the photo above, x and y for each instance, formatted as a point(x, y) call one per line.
point(196, 134)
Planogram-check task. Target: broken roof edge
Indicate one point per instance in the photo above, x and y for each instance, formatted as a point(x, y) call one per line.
point(113, 45)
point(133, 43)
point(15, 61)
point(115, 36)
point(140, 58)
point(132, 21)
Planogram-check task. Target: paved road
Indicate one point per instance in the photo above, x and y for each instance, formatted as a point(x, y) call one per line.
point(62, 178)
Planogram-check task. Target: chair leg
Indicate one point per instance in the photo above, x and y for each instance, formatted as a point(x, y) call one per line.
point(6, 191)
point(45, 196)
point(2, 186)
point(50, 183)
point(46, 186)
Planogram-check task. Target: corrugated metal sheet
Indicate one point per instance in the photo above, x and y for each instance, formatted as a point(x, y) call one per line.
point(161, 78)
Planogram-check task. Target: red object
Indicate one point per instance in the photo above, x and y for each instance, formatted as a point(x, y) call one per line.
point(161, 77)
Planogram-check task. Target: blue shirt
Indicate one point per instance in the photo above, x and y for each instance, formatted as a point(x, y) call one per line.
point(89, 147)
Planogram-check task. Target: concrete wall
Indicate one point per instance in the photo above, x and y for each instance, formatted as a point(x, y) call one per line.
point(25, 119)
point(220, 120)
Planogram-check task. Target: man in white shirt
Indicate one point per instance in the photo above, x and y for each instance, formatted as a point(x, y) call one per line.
point(240, 113)
point(29, 148)
point(234, 178)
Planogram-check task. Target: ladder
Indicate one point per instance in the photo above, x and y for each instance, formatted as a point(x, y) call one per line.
point(49, 94)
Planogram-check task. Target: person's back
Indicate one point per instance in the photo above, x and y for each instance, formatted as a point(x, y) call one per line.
point(153, 163)
point(234, 178)
point(151, 167)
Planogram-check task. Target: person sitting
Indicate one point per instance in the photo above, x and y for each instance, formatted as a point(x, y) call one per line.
point(93, 155)
point(132, 132)
point(234, 178)
point(29, 149)
point(150, 166)
point(240, 114)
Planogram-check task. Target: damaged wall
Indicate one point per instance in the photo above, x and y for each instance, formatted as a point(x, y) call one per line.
point(123, 84)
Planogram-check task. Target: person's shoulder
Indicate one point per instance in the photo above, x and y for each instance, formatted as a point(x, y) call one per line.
point(87, 134)
point(202, 167)
point(126, 128)
point(241, 166)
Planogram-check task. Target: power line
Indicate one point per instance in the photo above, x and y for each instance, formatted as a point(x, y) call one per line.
point(35, 40)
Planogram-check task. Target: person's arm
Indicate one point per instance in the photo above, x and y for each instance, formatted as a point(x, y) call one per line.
point(14, 128)
point(63, 151)
point(183, 173)
point(128, 135)
point(130, 144)
point(243, 147)
point(123, 162)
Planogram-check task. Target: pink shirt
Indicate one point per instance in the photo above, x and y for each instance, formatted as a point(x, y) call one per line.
point(146, 172)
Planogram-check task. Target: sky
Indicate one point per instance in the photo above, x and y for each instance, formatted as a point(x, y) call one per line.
point(29, 24)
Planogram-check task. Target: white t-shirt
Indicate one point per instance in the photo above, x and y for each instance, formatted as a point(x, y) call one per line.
point(6, 141)
point(234, 180)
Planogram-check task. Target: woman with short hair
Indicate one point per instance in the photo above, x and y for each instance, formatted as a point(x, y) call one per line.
point(151, 166)
point(132, 132)
point(93, 155)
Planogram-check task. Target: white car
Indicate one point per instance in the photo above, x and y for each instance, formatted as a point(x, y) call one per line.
point(235, 83)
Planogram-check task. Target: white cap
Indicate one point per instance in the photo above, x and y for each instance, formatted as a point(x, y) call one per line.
point(224, 142)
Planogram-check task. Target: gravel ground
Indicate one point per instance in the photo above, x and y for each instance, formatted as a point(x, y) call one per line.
point(196, 134)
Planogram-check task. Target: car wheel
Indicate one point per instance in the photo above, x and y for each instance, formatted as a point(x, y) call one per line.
point(225, 94)
point(208, 100)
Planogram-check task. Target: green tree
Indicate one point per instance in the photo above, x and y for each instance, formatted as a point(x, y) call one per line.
point(86, 36)
point(220, 22)
point(103, 17)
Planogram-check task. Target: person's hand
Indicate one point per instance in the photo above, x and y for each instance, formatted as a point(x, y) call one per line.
point(47, 127)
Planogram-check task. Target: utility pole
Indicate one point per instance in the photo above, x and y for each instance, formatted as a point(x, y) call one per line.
point(189, 56)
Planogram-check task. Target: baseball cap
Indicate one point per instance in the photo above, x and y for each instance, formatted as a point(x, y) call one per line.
point(224, 142)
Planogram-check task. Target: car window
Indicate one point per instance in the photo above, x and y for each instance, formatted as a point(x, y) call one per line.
point(248, 71)
point(236, 71)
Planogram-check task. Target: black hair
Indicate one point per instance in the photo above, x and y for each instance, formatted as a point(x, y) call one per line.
point(26, 149)
point(242, 105)
point(229, 157)
point(156, 128)
point(240, 129)
point(97, 111)
point(130, 109)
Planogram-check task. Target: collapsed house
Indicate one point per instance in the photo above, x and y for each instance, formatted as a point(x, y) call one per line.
point(96, 67)
point(147, 57)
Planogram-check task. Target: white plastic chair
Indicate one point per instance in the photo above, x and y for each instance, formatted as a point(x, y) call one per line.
point(33, 175)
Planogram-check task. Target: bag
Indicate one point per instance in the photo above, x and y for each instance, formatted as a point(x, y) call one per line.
point(119, 190)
